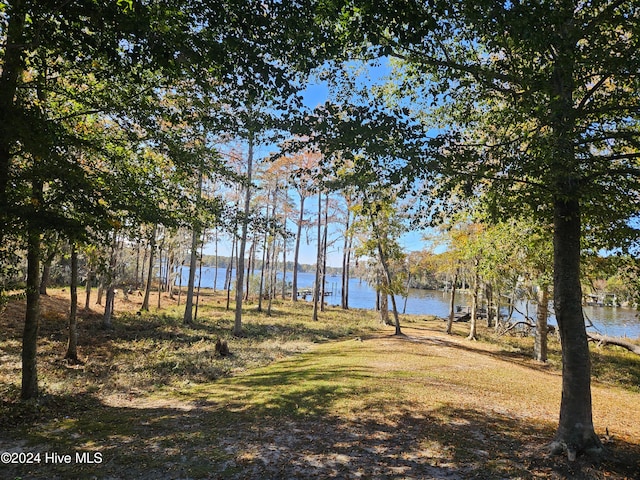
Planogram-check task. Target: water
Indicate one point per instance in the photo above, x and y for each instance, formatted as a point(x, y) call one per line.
point(613, 321)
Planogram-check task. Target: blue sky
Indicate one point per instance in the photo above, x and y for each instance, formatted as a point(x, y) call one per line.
point(315, 94)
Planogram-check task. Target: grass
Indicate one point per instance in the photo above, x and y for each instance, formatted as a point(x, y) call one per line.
point(338, 398)
point(146, 351)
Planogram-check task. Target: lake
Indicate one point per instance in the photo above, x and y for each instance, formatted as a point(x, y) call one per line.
point(614, 321)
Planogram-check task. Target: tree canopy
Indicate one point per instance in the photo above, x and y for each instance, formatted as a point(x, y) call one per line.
point(109, 110)
point(537, 105)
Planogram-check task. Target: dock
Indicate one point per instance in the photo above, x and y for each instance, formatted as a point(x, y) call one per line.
point(308, 292)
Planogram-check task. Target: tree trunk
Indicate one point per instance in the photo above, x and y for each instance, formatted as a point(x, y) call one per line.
point(46, 266)
point(273, 255)
point(489, 295)
point(137, 271)
point(325, 234)
point(32, 317)
point(346, 260)
point(180, 285)
point(406, 293)
point(473, 333)
point(386, 287)
point(111, 292)
point(215, 271)
point(250, 260)
point(512, 304)
point(100, 290)
point(234, 247)
point(187, 318)
point(296, 254)
point(170, 272)
point(12, 68)
point(72, 344)
point(452, 302)
point(87, 297)
point(266, 259)
point(540, 345)
point(227, 272)
point(237, 326)
point(265, 265)
point(195, 315)
point(620, 342)
point(316, 288)
point(283, 292)
point(272, 274)
point(575, 432)
point(396, 317)
point(498, 300)
point(108, 307)
point(384, 305)
point(147, 290)
point(145, 253)
point(160, 277)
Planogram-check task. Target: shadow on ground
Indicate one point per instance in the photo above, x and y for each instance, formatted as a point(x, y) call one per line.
point(281, 424)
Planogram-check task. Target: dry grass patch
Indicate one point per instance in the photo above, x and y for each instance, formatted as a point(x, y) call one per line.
point(339, 398)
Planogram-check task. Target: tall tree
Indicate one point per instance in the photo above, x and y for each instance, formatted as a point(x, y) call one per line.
point(319, 277)
point(237, 326)
point(193, 264)
point(346, 250)
point(377, 216)
point(32, 315)
point(72, 343)
point(110, 61)
point(300, 176)
point(557, 81)
point(152, 256)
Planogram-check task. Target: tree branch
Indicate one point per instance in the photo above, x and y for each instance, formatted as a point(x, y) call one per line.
point(606, 340)
point(480, 74)
point(591, 92)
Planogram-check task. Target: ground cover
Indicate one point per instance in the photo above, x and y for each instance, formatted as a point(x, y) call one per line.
point(338, 398)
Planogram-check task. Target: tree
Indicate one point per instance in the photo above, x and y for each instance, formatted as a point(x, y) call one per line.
point(466, 254)
point(64, 63)
point(537, 257)
point(319, 277)
point(52, 249)
point(462, 259)
point(30, 335)
point(237, 326)
point(346, 249)
point(193, 258)
point(257, 120)
point(558, 83)
point(377, 216)
point(152, 252)
point(72, 344)
point(301, 178)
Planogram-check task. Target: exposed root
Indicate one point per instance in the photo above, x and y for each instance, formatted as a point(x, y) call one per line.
point(561, 447)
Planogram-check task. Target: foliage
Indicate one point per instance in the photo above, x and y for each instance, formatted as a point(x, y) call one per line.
point(378, 226)
point(497, 108)
point(617, 275)
point(540, 111)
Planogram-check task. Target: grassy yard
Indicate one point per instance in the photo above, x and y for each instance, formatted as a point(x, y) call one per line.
point(338, 398)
